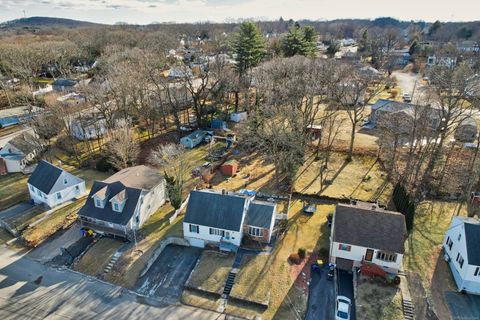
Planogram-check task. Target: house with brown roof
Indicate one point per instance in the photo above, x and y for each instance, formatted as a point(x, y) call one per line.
point(364, 233)
point(122, 203)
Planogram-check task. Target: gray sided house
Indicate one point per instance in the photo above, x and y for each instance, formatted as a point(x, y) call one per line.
point(19, 153)
point(121, 204)
point(64, 85)
point(53, 186)
point(224, 219)
point(466, 130)
point(193, 139)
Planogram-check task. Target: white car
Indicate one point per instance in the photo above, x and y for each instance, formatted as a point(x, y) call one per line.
point(343, 308)
point(407, 97)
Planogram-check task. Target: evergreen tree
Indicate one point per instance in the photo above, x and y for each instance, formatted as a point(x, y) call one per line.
point(249, 47)
point(364, 45)
point(295, 42)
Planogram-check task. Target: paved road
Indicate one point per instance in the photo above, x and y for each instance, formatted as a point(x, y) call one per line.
point(321, 297)
point(30, 290)
point(4, 139)
point(168, 274)
point(410, 83)
point(345, 288)
point(463, 306)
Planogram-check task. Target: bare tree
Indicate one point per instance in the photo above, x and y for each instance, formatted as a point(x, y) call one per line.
point(122, 150)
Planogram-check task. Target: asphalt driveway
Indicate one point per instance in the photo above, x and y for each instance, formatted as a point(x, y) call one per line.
point(168, 274)
point(321, 297)
point(16, 210)
point(463, 306)
point(345, 288)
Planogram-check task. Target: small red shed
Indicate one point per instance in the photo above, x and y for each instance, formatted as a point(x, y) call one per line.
point(229, 168)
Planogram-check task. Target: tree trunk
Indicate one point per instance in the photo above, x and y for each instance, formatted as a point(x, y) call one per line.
point(352, 141)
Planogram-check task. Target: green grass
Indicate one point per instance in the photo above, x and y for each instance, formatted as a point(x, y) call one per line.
point(362, 178)
point(57, 220)
point(13, 189)
point(378, 301)
point(211, 271)
point(98, 256)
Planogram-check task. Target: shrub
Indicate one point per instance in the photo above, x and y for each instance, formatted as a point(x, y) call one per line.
point(103, 165)
point(302, 253)
point(294, 258)
point(323, 253)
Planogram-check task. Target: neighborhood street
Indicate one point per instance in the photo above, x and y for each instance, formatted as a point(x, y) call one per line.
point(30, 290)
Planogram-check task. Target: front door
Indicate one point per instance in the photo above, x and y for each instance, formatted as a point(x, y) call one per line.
point(227, 235)
point(369, 255)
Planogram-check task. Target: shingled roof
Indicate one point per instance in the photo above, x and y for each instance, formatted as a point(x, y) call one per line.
point(45, 176)
point(216, 210)
point(260, 214)
point(364, 226)
point(139, 177)
point(472, 239)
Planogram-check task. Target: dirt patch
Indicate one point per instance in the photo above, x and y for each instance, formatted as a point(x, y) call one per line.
point(376, 300)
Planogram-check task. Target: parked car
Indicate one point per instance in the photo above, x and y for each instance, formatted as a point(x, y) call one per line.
point(331, 273)
point(343, 308)
point(407, 98)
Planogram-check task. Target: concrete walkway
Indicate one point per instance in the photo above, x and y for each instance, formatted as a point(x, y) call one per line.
point(408, 310)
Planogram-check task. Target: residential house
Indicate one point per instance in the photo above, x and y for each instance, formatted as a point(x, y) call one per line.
point(468, 46)
point(64, 85)
point(446, 61)
point(462, 252)
point(19, 152)
point(223, 219)
point(121, 204)
point(53, 186)
point(193, 139)
point(466, 130)
point(89, 126)
point(14, 116)
point(364, 233)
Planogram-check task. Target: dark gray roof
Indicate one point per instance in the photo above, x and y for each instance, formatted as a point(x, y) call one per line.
point(64, 82)
point(45, 176)
point(376, 229)
point(107, 214)
point(26, 143)
point(215, 210)
point(472, 239)
point(260, 214)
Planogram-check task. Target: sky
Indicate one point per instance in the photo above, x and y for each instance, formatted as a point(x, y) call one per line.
point(148, 11)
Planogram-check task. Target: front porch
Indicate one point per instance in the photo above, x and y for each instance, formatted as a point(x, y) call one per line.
point(124, 234)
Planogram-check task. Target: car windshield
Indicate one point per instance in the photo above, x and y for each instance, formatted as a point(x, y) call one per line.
point(342, 314)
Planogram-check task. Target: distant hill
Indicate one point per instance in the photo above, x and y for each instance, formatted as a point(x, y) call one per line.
point(38, 22)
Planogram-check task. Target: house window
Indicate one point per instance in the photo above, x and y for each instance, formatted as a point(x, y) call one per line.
point(59, 195)
point(217, 232)
point(460, 262)
point(194, 228)
point(256, 232)
point(39, 192)
point(65, 181)
point(477, 271)
point(449, 243)
point(77, 189)
point(32, 188)
point(388, 257)
point(459, 237)
point(98, 203)
point(344, 247)
point(116, 207)
point(137, 219)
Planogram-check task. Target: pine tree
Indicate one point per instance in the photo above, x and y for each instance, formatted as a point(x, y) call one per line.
point(297, 42)
point(249, 47)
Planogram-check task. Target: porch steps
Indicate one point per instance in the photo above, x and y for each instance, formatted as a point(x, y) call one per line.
point(112, 262)
point(408, 308)
point(229, 283)
point(408, 311)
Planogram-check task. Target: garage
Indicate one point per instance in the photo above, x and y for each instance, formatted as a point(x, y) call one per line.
point(194, 242)
point(344, 264)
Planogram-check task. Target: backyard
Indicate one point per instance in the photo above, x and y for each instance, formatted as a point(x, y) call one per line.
point(362, 178)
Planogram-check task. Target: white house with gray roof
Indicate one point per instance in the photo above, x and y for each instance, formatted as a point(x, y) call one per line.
point(219, 217)
point(53, 186)
point(462, 252)
point(122, 203)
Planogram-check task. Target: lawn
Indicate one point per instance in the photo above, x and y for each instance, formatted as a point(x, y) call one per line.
point(57, 220)
point(128, 268)
point(432, 220)
point(98, 256)
point(252, 282)
point(378, 301)
point(362, 178)
point(211, 271)
point(13, 189)
point(274, 273)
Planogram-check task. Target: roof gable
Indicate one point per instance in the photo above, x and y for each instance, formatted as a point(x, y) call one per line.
point(370, 228)
point(216, 210)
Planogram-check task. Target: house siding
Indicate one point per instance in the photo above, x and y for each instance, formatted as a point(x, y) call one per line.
point(266, 234)
point(51, 200)
point(357, 255)
point(204, 234)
